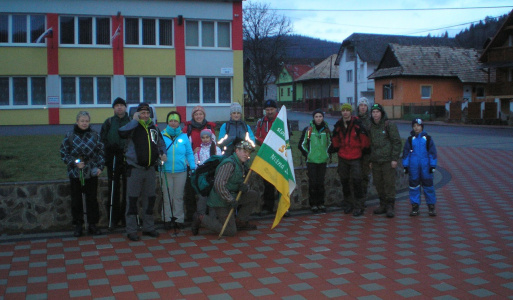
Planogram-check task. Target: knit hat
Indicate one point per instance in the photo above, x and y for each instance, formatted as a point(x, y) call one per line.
point(143, 106)
point(118, 100)
point(417, 121)
point(317, 111)
point(173, 115)
point(347, 106)
point(363, 100)
point(270, 103)
point(379, 107)
point(206, 132)
point(198, 108)
point(235, 107)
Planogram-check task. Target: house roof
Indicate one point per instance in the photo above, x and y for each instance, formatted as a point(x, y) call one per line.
point(371, 47)
point(400, 60)
point(322, 70)
point(297, 70)
point(501, 36)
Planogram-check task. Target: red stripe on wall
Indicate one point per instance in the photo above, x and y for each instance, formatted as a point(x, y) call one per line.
point(237, 26)
point(117, 46)
point(180, 47)
point(52, 45)
point(182, 110)
point(53, 116)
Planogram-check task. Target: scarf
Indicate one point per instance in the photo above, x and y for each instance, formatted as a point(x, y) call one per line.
point(173, 131)
point(197, 125)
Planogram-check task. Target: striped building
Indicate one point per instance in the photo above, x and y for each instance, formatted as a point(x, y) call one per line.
point(58, 57)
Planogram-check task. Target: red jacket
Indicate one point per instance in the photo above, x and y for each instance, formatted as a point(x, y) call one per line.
point(350, 141)
point(263, 127)
point(194, 134)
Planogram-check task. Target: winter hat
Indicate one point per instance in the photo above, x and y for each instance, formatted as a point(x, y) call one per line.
point(143, 106)
point(235, 107)
point(417, 121)
point(198, 108)
point(379, 107)
point(118, 100)
point(363, 100)
point(174, 115)
point(206, 132)
point(317, 111)
point(347, 106)
point(270, 103)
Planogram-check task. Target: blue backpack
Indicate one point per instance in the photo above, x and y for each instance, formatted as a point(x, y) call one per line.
point(203, 179)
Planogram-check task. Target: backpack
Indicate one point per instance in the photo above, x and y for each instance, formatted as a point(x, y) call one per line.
point(202, 180)
point(428, 141)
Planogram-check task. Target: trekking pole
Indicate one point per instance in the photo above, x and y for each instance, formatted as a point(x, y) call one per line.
point(231, 210)
point(162, 192)
point(173, 218)
point(112, 191)
point(84, 205)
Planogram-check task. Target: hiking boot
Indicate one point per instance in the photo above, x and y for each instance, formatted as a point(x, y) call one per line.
point(380, 210)
point(169, 225)
point(245, 225)
point(414, 210)
point(94, 230)
point(322, 208)
point(358, 212)
point(314, 209)
point(78, 231)
point(133, 237)
point(432, 211)
point(390, 211)
point(153, 234)
point(348, 210)
point(196, 223)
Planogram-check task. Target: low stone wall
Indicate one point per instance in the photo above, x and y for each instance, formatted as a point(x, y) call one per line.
point(45, 206)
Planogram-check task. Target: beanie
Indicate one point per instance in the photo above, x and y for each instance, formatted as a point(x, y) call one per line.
point(198, 108)
point(378, 107)
point(235, 107)
point(206, 132)
point(417, 121)
point(172, 115)
point(270, 103)
point(347, 106)
point(118, 100)
point(317, 111)
point(363, 100)
point(143, 106)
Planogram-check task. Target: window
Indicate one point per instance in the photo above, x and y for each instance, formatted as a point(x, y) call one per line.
point(281, 92)
point(425, 92)
point(480, 92)
point(288, 91)
point(211, 34)
point(349, 75)
point(388, 91)
point(91, 90)
point(21, 29)
point(22, 91)
point(209, 90)
point(148, 32)
point(156, 90)
point(349, 100)
point(84, 30)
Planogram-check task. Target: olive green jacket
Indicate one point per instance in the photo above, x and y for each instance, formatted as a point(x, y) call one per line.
point(232, 184)
point(385, 141)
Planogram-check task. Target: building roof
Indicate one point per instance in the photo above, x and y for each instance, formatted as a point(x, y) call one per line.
point(500, 37)
point(400, 60)
point(324, 70)
point(297, 70)
point(371, 47)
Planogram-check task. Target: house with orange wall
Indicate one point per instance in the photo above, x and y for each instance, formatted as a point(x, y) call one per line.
point(427, 75)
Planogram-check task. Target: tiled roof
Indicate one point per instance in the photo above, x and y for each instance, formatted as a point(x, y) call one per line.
point(371, 47)
point(297, 70)
point(431, 61)
point(322, 70)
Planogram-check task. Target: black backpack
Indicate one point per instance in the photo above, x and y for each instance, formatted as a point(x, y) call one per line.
point(202, 180)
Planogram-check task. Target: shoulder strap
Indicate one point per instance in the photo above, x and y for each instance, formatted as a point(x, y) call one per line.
point(428, 142)
point(71, 137)
point(410, 138)
point(189, 130)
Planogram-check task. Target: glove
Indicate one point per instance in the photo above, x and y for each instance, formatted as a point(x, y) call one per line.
point(432, 170)
point(406, 171)
point(234, 204)
point(244, 187)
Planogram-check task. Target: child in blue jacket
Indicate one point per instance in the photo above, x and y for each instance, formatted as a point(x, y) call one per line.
point(419, 160)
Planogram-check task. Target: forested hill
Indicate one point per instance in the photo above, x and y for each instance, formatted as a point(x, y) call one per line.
point(476, 35)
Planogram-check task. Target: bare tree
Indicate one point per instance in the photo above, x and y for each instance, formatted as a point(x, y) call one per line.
point(264, 47)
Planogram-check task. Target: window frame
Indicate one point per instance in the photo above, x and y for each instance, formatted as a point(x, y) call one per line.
point(349, 75)
point(216, 36)
point(76, 32)
point(158, 89)
point(77, 91)
point(390, 94)
point(422, 87)
point(140, 33)
point(201, 91)
point(28, 91)
point(29, 38)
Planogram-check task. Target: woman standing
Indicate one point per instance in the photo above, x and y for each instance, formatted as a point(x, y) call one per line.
point(179, 155)
point(82, 151)
point(234, 130)
point(314, 143)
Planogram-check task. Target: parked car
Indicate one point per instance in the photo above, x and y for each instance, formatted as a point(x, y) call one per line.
point(132, 108)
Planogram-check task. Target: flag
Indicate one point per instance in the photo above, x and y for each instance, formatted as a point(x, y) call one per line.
point(274, 163)
point(47, 33)
point(116, 34)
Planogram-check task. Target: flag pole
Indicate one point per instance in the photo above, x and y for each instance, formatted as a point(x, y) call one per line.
point(231, 210)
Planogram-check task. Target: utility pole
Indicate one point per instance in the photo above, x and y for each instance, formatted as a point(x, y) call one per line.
point(355, 76)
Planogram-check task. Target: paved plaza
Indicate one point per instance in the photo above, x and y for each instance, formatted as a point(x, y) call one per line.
point(466, 252)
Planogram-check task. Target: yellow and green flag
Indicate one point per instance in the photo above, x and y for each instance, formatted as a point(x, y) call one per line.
point(274, 162)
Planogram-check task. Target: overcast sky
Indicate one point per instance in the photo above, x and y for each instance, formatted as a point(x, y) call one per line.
point(336, 25)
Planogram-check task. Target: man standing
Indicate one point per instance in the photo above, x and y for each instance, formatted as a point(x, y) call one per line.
point(144, 147)
point(365, 119)
point(349, 139)
point(115, 160)
point(385, 151)
point(229, 180)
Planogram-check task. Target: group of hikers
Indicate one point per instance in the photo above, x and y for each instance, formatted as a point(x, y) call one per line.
point(133, 149)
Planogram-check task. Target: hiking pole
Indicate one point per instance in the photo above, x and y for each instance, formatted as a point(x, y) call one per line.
point(231, 210)
point(162, 192)
point(112, 191)
point(84, 205)
point(173, 218)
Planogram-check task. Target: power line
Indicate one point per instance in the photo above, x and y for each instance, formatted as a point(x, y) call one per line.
point(387, 9)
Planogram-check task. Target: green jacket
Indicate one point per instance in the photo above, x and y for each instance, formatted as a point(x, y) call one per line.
point(110, 136)
point(366, 120)
point(314, 143)
point(385, 141)
point(233, 183)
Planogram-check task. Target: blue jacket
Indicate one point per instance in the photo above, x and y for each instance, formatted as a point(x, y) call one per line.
point(179, 152)
point(417, 157)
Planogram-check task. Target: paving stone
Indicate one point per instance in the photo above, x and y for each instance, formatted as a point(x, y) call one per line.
point(269, 280)
point(261, 292)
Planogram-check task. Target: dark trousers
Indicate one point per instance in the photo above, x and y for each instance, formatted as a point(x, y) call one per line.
point(117, 174)
point(269, 196)
point(316, 176)
point(366, 171)
point(90, 189)
point(189, 199)
point(383, 176)
point(351, 170)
